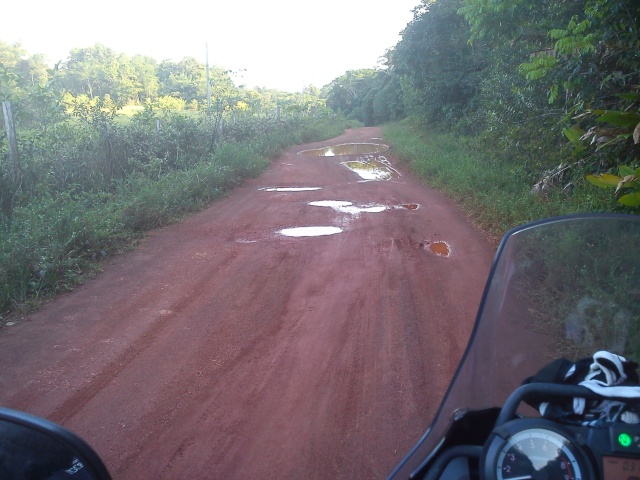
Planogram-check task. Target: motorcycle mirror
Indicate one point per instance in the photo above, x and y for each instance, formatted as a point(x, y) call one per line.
point(32, 448)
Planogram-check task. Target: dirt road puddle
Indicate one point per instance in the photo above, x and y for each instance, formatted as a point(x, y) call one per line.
point(289, 189)
point(373, 168)
point(309, 231)
point(346, 149)
point(410, 206)
point(442, 249)
point(349, 207)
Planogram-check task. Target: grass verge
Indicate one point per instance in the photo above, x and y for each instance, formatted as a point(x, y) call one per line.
point(495, 194)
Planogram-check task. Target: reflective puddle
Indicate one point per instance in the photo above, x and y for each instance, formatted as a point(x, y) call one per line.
point(346, 149)
point(442, 249)
point(349, 207)
point(289, 189)
point(309, 231)
point(407, 206)
point(373, 168)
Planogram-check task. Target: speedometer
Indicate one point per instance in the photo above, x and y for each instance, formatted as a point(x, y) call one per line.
point(537, 453)
point(534, 449)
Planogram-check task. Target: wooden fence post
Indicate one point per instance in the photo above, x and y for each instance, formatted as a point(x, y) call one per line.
point(14, 161)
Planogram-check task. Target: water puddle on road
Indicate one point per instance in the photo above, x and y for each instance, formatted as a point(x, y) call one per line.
point(407, 206)
point(442, 249)
point(373, 168)
point(349, 207)
point(346, 149)
point(309, 231)
point(289, 189)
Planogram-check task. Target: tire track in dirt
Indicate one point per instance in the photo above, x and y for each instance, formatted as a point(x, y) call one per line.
point(220, 349)
point(80, 398)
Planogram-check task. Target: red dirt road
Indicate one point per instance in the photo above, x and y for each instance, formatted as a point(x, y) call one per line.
point(221, 349)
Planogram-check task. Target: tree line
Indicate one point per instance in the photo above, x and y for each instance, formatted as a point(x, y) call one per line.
point(98, 72)
point(60, 111)
point(552, 85)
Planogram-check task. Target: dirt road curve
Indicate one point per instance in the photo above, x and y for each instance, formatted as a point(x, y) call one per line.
point(222, 349)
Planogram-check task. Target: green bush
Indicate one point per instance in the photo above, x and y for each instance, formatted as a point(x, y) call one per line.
point(49, 244)
point(495, 192)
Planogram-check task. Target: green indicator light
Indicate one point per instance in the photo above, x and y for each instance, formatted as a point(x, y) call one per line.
point(624, 439)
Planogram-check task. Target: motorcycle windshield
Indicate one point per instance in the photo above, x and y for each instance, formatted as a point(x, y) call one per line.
point(563, 287)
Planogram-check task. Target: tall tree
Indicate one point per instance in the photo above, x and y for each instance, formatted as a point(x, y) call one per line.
point(22, 71)
point(186, 79)
point(347, 92)
point(145, 70)
point(93, 71)
point(440, 70)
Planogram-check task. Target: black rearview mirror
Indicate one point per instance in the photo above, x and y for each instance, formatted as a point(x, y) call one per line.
point(32, 448)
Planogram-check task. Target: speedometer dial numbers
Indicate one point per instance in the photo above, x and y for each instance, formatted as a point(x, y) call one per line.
point(537, 453)
point(520, 451)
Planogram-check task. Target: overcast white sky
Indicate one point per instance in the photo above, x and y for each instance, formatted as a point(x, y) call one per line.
point(283, 44)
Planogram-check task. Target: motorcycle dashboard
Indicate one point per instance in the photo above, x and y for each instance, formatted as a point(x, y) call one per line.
point(620, 467)
point(538, 448)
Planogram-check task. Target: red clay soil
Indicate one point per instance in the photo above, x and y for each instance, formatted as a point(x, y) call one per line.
point(222, 349)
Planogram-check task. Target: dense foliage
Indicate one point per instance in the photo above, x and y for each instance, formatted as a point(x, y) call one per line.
point(552, 88)
point(438, 67)
point(370, 96)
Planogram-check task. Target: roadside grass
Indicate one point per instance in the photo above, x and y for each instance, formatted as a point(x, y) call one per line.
point(496, 194)
point(54, 242)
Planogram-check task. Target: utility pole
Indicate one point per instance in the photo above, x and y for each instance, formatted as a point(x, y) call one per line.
point(208, 80)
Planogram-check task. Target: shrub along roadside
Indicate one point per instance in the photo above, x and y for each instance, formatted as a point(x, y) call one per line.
point(51, 244)
point(495, 193)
